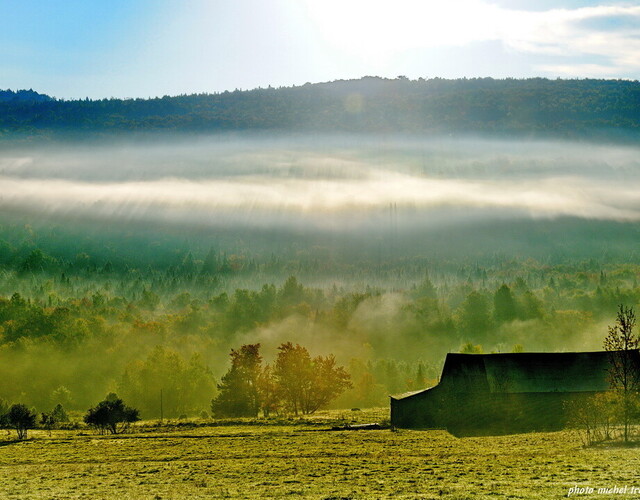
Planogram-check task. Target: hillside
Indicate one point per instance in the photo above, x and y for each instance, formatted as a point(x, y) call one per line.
point(531, 107)
point(22, 97)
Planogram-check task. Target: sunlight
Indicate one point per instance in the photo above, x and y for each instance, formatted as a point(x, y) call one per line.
point(379, 28)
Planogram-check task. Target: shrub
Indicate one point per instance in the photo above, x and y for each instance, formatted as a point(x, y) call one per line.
point(111, 415)
point(21, 419)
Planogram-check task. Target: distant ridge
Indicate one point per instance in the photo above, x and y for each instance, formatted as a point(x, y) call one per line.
point(23, 96)
point(531, 107)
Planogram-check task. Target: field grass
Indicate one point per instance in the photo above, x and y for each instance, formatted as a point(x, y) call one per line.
point(303, 459)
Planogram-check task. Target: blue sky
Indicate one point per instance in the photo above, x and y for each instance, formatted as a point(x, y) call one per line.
point(142, 48)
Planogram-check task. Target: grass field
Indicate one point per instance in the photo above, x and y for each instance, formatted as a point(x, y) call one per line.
point(303, 459)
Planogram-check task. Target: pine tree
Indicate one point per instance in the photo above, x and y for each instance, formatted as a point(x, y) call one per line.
point(239, 388)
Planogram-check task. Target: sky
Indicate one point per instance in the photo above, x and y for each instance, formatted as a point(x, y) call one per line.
point(146, 48)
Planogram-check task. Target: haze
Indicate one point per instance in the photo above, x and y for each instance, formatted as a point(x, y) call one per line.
point(332, 183)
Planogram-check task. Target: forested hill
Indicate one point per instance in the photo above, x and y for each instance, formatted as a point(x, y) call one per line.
point(22, 97)
point(538, 106)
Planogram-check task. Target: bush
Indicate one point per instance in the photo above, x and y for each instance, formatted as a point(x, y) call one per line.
point(111, 415)
point(593, 417)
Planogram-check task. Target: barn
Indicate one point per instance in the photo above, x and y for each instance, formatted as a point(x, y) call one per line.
point(504, 393)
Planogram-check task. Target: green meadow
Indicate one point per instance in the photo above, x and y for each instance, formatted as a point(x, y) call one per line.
point(305, 458)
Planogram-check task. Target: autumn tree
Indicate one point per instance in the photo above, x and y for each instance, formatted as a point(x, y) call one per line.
point(268, 391)
point(239, 388)
point(624, 368)
point(307, 384)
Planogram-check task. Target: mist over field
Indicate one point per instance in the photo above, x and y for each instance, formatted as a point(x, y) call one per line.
point(341, 183)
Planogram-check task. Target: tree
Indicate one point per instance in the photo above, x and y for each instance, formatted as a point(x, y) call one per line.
point(367, 392)
point(47, 421)
point(474, 314)
point(111, 415)
point(62, 396)
point(531, 307)
point(37, 260)
point(292, 292)
point(624, 369)
point(307, 384)
point(21, 419)
point(268, 392)
point(504, 305)
point(327, 383)
point(59, 414)
point(426, 289)
point(210, 264)
point(239, 387)
point(55, 416)
point(470, 348)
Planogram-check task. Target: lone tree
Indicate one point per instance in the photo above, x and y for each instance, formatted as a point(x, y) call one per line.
point(111, 415)
point(21, 419)
point(239, 388)
point(624, 366)
point(307, 384)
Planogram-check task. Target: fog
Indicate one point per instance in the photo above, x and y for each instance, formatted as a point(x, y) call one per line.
point(336, 183)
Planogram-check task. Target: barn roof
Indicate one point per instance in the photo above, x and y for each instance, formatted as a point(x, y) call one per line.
point(408, 394)
point(527, 372)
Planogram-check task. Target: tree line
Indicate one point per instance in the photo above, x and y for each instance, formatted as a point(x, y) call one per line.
point(86, 326)
point(296, 384)
point(142, 337)
point(369, 104)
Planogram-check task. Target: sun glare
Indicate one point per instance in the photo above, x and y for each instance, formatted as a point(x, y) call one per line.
point(380, 28)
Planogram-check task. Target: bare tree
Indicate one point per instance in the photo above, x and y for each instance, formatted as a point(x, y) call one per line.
point(624, 369)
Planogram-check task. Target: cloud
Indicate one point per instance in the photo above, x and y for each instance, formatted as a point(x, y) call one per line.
point(610, 34)
point(598, 40)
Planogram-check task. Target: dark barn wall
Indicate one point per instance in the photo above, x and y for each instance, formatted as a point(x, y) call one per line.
point(420, 411)
point(504, 413)
point(474, 413)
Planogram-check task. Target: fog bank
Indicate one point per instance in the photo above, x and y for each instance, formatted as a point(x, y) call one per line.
point(329, 182)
